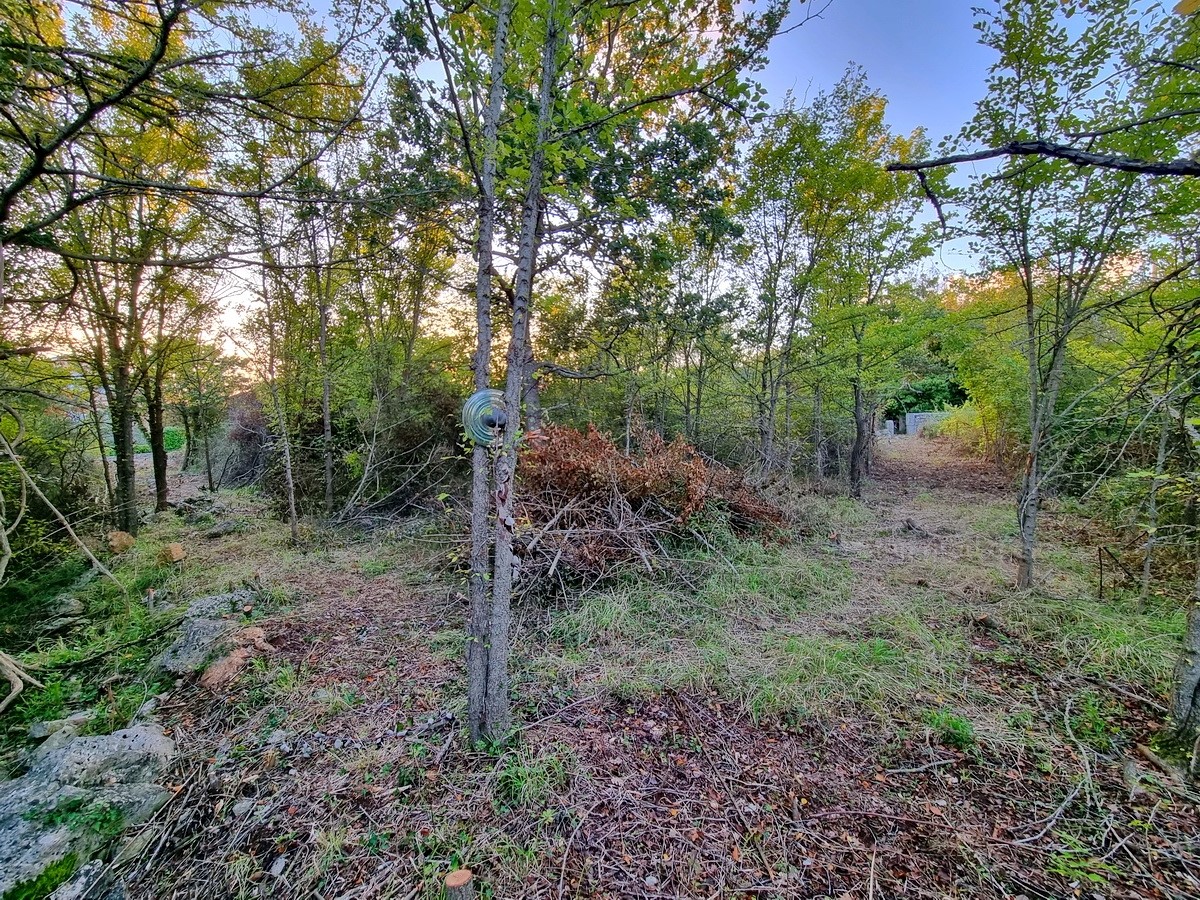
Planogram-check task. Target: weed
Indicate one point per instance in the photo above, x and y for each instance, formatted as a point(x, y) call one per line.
point(1076, 863)
point(951, 729)
point(373, 568)
point(528, 779)
point(1089, 721)
point(47, 883)
point(99, 817)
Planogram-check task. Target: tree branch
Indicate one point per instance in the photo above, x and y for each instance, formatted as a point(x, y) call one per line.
point(1178, 168)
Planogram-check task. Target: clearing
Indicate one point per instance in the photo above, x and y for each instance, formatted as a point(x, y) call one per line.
point(866, 711)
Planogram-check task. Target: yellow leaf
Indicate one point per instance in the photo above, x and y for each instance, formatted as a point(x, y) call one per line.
point(1187, 7)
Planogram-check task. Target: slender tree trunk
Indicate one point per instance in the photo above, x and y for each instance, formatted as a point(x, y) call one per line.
point(120, 404)
point(862, 437)
point(1160, 463)
point(498, 706)
point(208, 469)
point(188, 437)
point(97, 423)
point(1185, 700)
point(326, 417)
point(156, 433)
point(479, 614)
point(818, 433)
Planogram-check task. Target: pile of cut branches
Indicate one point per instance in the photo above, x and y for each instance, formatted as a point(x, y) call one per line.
point(589, 509)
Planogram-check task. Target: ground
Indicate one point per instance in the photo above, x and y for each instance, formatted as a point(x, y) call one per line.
point(867, 710)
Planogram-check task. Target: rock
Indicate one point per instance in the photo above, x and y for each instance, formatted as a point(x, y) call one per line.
point(82, 883)
point(46, 814)
point(120, 541)
point(137, 754)
point(216, 605)
point(242, 807)
point(198, 642)
point(75, 721)
point(222, 528)
point(54, 626)
point(172, 554)
point(65, 605)
point(225, 669)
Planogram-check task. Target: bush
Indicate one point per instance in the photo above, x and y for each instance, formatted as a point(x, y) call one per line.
point(173, 438)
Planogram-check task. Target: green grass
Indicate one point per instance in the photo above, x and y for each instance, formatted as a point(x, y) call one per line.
point(46, 883)
point(529, 778)
point(951, 729)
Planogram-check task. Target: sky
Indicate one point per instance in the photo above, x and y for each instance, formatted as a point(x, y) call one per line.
point(923, 55)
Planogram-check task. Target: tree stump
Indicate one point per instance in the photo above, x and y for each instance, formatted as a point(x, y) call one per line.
point(460, 885)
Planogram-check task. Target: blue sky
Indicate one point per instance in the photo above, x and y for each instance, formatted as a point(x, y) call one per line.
point(922, 54)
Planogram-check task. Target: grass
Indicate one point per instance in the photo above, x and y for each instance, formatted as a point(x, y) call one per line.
point(813, 630)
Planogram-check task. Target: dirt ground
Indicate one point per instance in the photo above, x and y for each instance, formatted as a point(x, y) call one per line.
point(335, 767)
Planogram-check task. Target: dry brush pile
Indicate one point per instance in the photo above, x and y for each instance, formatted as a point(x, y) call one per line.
point(589, 510)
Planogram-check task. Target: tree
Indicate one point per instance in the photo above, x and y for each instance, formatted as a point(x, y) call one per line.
point(575, 83)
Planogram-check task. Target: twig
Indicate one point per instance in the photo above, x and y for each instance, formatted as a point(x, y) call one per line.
point(1052, 818)
point(17, 677)
point(925, 768)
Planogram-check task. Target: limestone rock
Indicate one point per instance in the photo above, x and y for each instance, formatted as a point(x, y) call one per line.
point(198, 641)
point(75, 721)
point(45, 815)
point(222, 528)
point(120, 541)
point(171, 554)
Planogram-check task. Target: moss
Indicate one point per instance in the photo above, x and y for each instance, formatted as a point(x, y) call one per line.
point(46, 883)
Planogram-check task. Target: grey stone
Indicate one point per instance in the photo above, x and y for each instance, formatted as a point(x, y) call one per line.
point(81, 883)
point(75, 721)
point(114, 770)
point(63, 623)
point(198, 641)
point(222, 528)
point(66, 605)
point(242, 807)
point(137, 754)
point(216, 605)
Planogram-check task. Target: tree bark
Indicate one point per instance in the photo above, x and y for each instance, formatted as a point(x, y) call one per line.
point(497, 701)
point(326, 416)
point(156, 433)
point(479, 613)
point(1185, 701)
point(120, 405)
point(862, 438)
point(1160, 463)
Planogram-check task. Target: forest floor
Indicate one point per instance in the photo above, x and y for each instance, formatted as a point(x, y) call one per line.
point(867, 711)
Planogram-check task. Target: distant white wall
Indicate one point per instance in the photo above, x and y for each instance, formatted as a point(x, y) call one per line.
point(914, 422)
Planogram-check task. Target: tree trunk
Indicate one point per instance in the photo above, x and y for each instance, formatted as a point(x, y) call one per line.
point(120, 405)
point(498, 714)
point(188, 438)
point(109, 490)
point(862, 438)
point(1160, 463)
point(208, 469)
point(479, 614)
point(152, 388)
point(326, 418)
point(818, 433)
point(1185, 700)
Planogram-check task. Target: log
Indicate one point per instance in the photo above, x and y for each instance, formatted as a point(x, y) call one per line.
point(460, 885)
